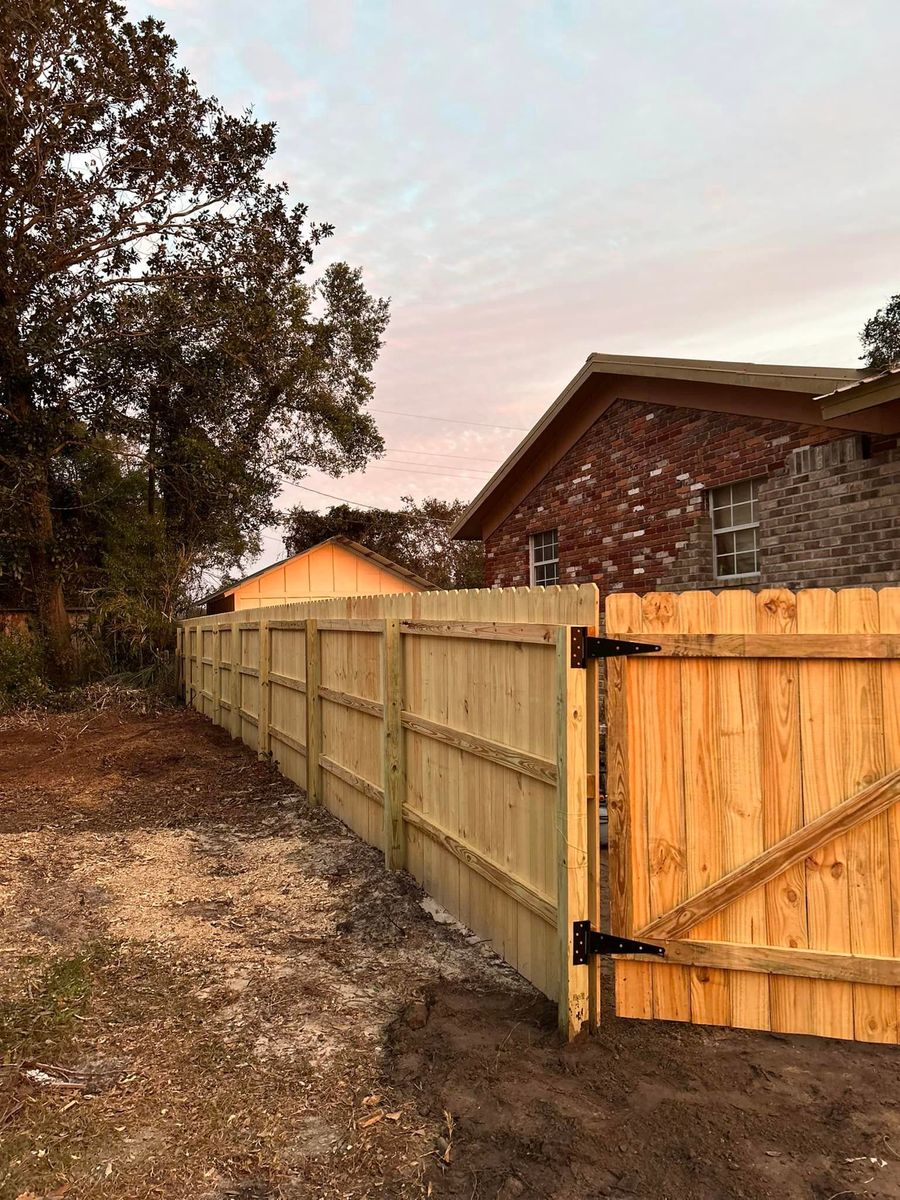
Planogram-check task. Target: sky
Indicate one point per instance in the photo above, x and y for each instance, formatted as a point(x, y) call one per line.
point(533, 181)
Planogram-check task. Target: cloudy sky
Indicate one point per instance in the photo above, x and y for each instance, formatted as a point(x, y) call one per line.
point(530, 181)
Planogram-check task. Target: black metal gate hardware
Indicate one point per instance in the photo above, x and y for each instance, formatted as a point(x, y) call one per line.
point(587, 941)
point(583, 647)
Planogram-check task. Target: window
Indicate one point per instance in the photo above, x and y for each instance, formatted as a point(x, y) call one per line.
point(735, 522)
point(544, 558)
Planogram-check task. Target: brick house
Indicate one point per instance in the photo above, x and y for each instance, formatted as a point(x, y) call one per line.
point(651, 474)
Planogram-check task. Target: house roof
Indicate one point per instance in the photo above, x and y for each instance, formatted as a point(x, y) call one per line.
point(339, 540)
point(874, 389)
point(777, 392)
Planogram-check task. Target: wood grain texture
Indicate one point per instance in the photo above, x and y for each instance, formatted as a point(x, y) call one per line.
point(506, 756)
point(764, 645)
point(628, 834)
point(313, 714)
point(571, 823)
point(782, 962)
point(866, 805)
point(394, 772)
point(658, 741)
point(889, 622)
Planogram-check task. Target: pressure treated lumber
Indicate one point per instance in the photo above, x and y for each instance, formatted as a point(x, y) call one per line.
point(491, 631)
point(372, 790)
point(779, 645)
point(313, 715)
point(394, 787)
point(511, 886)
point(506, 756)
point(780, 960)
point(865, 805)
point(361, 703)
point(462, 728)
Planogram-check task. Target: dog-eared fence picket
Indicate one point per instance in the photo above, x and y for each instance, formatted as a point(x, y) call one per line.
point(752, 769)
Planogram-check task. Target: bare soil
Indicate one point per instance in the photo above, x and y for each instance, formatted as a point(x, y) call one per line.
point(209, 990)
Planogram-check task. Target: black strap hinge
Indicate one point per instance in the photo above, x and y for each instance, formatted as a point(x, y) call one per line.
point(584, 647)
point(587, 942)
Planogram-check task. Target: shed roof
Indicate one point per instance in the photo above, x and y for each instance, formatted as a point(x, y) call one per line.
point(778, 392)
point(355, 547)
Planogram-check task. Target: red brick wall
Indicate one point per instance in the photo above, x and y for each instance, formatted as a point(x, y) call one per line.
point(629, 499)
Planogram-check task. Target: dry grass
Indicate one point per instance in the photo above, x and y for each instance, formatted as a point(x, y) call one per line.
point(200, 975)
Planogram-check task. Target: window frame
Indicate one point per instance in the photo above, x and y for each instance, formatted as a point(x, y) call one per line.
point(533, 562)
point(754, 482)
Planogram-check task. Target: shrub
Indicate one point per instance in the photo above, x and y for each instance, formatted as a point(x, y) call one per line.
point(21, 670)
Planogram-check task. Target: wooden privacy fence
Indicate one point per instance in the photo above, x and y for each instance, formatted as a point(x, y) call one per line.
point(451, 731)
point(754, 779)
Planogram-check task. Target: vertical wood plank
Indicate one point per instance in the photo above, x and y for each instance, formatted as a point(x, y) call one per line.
point(394, 774)
point(889, 622)
point(823, 757)
point(216, 677)
point(313, 713)
point(236, 680)
point(710, 992)
point(740, 752)
point(657, 744)
point(179, 663)
point(571, 827)
point(860, 721)
point(592, 767)
point(790, 999)
point(628, 850)
point(263, 742)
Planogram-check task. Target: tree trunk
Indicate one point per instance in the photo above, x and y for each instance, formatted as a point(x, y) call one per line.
point(49, 599)
point(29, 452)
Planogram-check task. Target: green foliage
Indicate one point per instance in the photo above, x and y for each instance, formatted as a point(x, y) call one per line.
point(21, 670)
point(165, 358)
point(880, 336)
point(416, 536)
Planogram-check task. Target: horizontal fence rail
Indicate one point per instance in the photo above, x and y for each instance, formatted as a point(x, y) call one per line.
point(449, 730)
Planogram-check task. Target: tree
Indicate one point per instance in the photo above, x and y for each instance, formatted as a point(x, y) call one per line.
point(417, 536)
point(132, 205)
point(881, 336)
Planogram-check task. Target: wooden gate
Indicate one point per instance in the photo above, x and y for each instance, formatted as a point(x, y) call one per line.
point(450, 730)
point(753, 777)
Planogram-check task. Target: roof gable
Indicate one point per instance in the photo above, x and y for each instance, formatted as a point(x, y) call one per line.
point(345, 543)
point(782, 393)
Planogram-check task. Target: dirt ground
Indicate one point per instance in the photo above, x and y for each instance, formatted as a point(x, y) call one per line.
point(210, 990)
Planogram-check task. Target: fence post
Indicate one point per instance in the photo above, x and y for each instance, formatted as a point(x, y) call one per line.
point(571, 831)
point(394, 772)
point(313, 711)
point(592, 749)
point(179, 662)
point(236, 686)
point(264, 708)
point(216, 677)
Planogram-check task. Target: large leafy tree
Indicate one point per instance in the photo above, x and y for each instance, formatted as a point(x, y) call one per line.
point(417, 536)
point(152, 297)
point(881, 336)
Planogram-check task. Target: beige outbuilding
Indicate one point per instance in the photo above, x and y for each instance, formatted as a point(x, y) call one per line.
point(336, 567)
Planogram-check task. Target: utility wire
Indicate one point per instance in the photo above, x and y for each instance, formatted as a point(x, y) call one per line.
point(439, 454)
point(452, 420)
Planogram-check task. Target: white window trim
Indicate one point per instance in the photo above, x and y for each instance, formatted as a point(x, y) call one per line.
point(532, 563)
point(730, 529)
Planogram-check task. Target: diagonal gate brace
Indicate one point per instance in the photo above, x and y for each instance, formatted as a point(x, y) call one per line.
point(587, 942)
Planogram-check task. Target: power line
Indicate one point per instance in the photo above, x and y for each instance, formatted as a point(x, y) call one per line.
point(343, 499)
point(439, 454)
point(452, 420)
point(435, 472)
